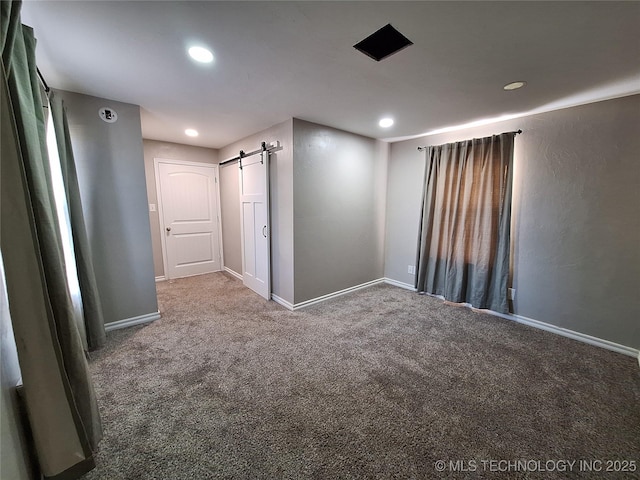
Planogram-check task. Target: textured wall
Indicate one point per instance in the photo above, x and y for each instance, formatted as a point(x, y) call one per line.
point(339, 190)
point(327, 208)
point(281, 206)
point(575, 225)
point(230, 210)
point(110, 163)
point(171, 151)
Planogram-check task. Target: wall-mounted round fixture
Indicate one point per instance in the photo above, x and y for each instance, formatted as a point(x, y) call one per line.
point(514, 85)
point(386, 122)
point(201, 54)
point(190, 132)
point(108, 114)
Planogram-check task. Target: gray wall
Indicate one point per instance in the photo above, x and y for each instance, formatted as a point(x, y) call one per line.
point(339, 209)
point(171, 151)
point(281, 206)
point(576, 227)
point(109, 159)
point(327, 209)
point(230, 211)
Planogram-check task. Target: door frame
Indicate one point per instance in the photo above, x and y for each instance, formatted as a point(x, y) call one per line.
point(156, 169)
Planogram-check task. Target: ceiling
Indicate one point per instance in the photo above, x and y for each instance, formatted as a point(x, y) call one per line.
point(277, 60)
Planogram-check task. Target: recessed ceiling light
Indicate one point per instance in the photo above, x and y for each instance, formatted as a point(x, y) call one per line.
point(514, 85)
point(386, 122)
point(191, 132)
point(201, 54)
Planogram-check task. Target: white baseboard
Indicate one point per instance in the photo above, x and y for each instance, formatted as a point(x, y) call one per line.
point(160, 279)
point(282, 301)
point(565, 332)
point(313, 301)
point(396, 283)
point(231, 272)
point(130, 322)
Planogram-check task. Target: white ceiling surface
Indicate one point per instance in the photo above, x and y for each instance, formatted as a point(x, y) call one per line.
point(277, 60)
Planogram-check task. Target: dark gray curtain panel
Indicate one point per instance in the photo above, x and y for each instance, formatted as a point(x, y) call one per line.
point(464, 239)
point(58, 392)
point(91, 306)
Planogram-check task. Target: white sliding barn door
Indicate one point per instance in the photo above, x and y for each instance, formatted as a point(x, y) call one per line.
point(254, 209)
point(188, 198)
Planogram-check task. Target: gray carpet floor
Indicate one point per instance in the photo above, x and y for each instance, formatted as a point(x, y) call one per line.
point(380, 383)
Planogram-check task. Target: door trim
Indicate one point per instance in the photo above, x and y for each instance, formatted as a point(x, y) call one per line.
point(156, 171)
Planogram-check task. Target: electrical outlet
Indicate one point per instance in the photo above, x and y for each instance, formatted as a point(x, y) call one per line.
point(411, 269)
point(511, 293)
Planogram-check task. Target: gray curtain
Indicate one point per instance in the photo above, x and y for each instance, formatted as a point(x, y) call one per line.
point(464, 239)
point(91, 306)
point(58, 393)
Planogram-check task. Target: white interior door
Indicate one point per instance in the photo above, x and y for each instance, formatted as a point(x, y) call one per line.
point(188, 198)
point(254, 208)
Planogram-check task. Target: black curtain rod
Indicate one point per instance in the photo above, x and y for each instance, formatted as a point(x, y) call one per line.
point(44, 83)
point(515, 132)
point(242, 154)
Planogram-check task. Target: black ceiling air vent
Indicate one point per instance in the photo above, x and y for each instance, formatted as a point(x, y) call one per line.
point(383, 43)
